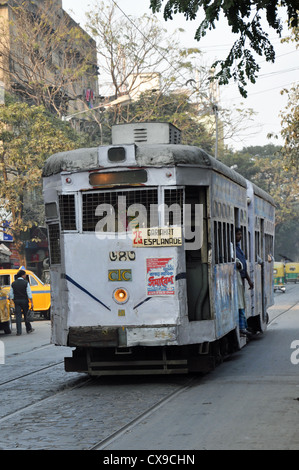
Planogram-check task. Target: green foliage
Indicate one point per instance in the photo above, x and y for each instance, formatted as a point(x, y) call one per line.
point(28, 135)
point(265, 166)
point(290, 116)
point(244, 19)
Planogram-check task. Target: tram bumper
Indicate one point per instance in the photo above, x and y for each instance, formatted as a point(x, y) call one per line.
point(125, 350)
point(129, 336)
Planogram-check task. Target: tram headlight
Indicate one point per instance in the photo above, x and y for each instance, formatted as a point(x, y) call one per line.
point(121, 296)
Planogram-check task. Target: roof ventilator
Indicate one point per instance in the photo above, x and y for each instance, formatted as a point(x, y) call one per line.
point(144, 133)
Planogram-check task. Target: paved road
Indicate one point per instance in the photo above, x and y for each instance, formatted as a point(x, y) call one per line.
point(249, 402)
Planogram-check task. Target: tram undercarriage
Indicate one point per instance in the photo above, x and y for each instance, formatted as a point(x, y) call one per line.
point(159, 360)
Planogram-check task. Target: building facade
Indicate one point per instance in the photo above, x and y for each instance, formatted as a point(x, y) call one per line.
point(46, 57)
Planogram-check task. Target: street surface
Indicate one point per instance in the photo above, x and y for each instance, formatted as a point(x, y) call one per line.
point(251, 401)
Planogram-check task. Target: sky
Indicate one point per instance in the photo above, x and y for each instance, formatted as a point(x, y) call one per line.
point(264, 96)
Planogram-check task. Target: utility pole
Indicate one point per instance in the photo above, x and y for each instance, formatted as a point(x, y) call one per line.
point(215, 109)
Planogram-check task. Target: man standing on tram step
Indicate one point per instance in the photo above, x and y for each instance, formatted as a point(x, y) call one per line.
point(20, 293)
point(244, 275)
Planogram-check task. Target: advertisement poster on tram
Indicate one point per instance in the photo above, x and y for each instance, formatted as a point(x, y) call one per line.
point(160, 276)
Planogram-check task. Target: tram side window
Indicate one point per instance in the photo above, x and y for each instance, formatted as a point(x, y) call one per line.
point(173, 199)
point(269, 246)
point(216, 243)
point(54, 242)
point(244, 240)
point(67, 212)
point(223, 242)
point(257, 246)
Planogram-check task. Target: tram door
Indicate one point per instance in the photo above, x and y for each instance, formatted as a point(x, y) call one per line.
point(263, 268)
point(197, 260)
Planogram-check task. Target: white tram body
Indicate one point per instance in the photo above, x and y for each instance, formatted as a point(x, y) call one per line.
point(144, 294)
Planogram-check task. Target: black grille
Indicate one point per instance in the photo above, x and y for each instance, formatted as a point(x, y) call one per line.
point(147, 197)
point(67, 212)
point(175, 198)
point(54, 240)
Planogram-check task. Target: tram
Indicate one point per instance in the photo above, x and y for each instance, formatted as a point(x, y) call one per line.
point(142, 263)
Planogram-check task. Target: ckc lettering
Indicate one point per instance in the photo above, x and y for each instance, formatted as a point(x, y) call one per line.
point(120, 275)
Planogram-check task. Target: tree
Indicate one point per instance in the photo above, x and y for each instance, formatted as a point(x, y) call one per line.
point(244, 18)
point(136, 54)
point(28, 135)
point(146, 67)
point(45, 57)
point(263, 165)
point(290, 116)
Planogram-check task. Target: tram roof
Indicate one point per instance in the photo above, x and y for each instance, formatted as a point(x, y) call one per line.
point(161, 155)
point(262, 194)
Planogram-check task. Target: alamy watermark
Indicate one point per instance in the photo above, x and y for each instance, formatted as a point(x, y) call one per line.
point(295, 354)
point(139, 222)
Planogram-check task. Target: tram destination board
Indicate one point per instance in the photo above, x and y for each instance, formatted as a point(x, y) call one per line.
point(155, 237)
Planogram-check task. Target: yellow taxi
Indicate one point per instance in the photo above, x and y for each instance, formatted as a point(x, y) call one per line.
point(40, 291)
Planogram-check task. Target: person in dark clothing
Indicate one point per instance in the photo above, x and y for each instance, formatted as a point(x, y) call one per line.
point(20, 293)
point(241, 256)
point(241, 293)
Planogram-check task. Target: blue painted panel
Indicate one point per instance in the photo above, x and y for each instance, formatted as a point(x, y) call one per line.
point(226, 301)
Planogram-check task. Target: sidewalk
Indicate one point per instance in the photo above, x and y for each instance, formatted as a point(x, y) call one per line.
point(26, 342)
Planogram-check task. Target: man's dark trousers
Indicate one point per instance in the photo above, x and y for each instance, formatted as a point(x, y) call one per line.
point(21, 306)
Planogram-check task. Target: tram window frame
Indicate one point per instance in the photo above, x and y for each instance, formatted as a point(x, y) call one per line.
point(269, 245)
point(149, 197)
point(232, 243)
point(216, 247)
point(177, 201)
point(257, 245)
point(220, 243)
point(244, 240)
point(224, 246)
point(54, 243)
point(67, 212)
point(225, 242)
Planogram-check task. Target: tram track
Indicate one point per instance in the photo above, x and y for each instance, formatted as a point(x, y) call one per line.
point(283, 312)
point(126, 428)
point(81, 382)
point(30, 373)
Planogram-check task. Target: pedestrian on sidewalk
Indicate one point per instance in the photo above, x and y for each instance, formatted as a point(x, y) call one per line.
point(20, 293)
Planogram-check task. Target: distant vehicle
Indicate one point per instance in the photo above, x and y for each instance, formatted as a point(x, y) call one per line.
point(292, 272)
point(279, 277)
point(40, 291)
